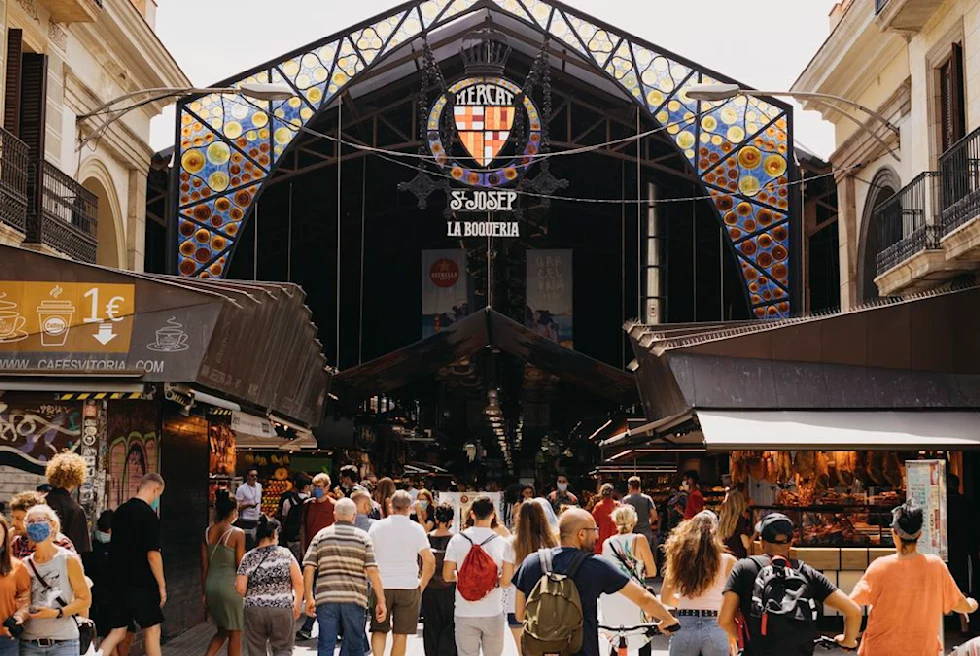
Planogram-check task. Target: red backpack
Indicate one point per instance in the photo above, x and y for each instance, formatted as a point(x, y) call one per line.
point(478, 574)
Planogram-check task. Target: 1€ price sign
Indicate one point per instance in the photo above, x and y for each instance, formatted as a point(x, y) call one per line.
point(68, 317)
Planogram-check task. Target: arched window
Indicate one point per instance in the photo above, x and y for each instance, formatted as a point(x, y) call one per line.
point(885, 184)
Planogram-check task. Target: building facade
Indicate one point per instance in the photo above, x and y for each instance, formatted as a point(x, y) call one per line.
point(62, 59)
point(909, 190)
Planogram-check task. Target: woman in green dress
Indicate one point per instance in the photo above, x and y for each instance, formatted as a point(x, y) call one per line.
point(221, 553)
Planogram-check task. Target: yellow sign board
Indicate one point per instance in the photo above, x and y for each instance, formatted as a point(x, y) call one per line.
point(70, 317)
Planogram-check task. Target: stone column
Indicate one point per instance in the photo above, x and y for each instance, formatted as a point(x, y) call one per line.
point(848, 239)
point(136, 220)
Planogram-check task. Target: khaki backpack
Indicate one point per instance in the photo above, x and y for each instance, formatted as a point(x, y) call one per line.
point(553, 623)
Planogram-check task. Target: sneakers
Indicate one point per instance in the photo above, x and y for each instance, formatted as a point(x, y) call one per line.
point(303, 634)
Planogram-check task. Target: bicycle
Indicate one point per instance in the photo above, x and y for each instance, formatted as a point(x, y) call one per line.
point(649, 630)
point(822, 641)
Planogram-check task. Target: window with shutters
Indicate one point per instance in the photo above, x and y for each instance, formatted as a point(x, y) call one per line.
point(952, 101)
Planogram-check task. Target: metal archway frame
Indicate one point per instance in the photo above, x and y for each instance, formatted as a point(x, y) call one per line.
point(741, 150)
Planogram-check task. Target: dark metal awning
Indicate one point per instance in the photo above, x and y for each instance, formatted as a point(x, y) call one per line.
point(900, 354)
point(476, 332)
point(250, 341)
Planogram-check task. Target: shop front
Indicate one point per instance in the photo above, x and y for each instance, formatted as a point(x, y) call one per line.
point(826, 419)
point(143, 374)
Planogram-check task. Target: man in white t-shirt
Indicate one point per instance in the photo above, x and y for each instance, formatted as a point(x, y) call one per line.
point(249, 497)
point(398, 543)
point(481, 623)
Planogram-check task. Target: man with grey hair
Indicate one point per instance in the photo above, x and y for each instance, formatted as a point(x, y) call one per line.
point(398, 544)
point(337, 560)
point(362, 499)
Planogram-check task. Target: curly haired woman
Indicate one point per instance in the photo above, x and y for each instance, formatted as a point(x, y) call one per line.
point(697, 570)
point(66, 472)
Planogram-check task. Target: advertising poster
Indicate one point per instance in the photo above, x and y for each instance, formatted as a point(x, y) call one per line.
point(927, 485)
point(445, 287)
point(461, 501)
point(549, 295)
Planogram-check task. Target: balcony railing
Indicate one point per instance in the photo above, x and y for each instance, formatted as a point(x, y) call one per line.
point(13, 181)
point(879, 5)
point(960, 170)
point(63, 215)
point(905, 222)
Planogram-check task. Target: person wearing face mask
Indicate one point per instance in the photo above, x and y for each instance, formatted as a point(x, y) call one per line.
point(21, 546)
point(59, 591)
point(318, 514)
point(138, 587)
point(562, 497)
point(424, 505)
point(97, 569)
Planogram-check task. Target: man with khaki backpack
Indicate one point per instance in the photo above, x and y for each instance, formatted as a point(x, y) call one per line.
point(558, 592)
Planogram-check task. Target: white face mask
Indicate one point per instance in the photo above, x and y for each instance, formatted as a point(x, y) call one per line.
point(563, 486)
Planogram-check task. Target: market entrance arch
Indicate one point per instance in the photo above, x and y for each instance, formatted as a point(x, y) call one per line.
point(739, 152)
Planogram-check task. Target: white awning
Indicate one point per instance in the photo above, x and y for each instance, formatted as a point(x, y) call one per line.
point(842, 430)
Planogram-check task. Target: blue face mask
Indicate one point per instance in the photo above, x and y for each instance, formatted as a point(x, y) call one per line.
point(155, 505)
point(39, 531)
point(102, 537)
point(318, 492)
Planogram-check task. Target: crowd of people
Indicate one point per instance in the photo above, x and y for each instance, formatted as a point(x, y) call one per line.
point(364, 558)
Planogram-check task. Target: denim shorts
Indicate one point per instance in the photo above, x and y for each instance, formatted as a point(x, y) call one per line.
point(699, 636)
point(62, 648)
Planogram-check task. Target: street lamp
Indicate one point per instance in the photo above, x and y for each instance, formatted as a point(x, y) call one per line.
point(722, 92)
point(255, 90)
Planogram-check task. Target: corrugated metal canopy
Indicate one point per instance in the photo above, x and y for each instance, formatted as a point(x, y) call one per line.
point(250, 341)
point(898, 354)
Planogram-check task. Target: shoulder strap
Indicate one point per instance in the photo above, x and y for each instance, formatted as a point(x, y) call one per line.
point(223, 540)
point(37, 574)
point(248, 579)
point(466, 537)
point(492, 537)
point(544, 555)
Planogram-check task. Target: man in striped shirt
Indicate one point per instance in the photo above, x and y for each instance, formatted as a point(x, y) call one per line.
point(339, 556)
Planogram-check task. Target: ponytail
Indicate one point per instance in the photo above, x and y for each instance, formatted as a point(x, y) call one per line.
point(267, 528)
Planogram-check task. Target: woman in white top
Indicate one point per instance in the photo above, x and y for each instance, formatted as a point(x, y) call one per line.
point(697, 569)
point(59, 591)
point(631, 553)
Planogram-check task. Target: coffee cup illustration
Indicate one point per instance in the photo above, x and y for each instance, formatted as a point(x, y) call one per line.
point(11, 323)
point(170, 338)
point(54, 318)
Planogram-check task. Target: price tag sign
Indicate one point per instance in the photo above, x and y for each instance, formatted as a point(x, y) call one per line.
point(67, 317)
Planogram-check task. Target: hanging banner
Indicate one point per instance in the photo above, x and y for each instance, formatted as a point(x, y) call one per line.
point(444, 289)
point(549, 294)
point(926, 483)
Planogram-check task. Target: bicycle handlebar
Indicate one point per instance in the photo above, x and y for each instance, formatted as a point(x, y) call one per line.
point(650, 629)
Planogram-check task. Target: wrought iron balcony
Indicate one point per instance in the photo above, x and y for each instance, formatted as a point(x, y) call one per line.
point(960, 170)
point(13, 181)
point(62, 214)
point(905, 222)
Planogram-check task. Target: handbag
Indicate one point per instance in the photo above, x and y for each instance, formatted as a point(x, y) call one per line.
point(86, 627)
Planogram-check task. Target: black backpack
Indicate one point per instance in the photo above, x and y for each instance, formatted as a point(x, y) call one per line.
point(784, 613)
point(291, 520)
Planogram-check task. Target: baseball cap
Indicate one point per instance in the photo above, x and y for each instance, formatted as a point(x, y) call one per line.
point(776, 528)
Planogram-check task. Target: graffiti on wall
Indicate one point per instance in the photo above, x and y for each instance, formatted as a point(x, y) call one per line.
point(133, 449)
point(31, 433)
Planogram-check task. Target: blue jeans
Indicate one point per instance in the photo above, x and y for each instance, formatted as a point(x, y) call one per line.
point(66, 648)
point(699, 636)
point(330, 617)
point(345, 644)
point(9, 646)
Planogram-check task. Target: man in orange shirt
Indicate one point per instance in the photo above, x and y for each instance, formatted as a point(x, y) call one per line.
point(908, 593)
point(695, 501)
point(603, 516)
